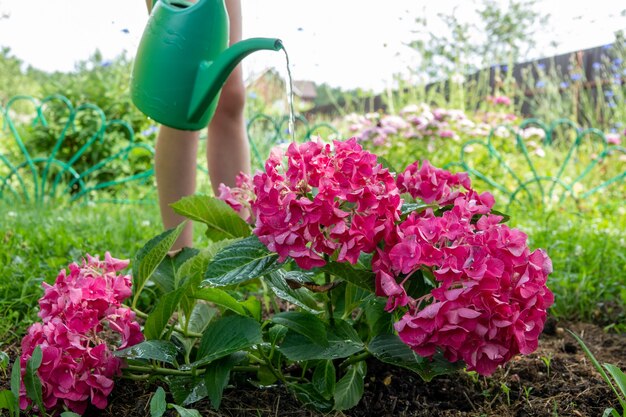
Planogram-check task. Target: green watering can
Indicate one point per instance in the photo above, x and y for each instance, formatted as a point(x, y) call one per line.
point(183, 60)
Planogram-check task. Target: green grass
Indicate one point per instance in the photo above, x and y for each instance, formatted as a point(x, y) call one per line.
point(37, 243)
point(588, 251)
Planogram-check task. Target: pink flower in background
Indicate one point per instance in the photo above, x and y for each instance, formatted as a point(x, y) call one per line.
point(502, 100)
point(613, 138)
point(326, 200)
point(80, 313)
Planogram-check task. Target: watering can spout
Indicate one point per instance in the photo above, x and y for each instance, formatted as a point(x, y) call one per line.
point(212, 75)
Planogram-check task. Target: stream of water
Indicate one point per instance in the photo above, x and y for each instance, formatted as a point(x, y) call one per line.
point(292, 114)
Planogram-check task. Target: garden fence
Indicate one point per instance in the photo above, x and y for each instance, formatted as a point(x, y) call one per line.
point(51, 150)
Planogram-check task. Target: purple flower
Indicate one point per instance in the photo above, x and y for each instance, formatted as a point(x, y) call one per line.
point(596, 65)
point(564, 84)
point(576, 77)
point(152, 129)
point(540, 84)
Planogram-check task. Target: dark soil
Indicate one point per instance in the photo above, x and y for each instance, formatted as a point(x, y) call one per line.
point(556, 380)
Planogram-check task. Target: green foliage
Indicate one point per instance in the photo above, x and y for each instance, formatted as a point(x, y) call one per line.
point(616, 381)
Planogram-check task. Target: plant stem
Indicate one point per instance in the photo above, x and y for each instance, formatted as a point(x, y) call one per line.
point(185, 333)
point(354, 359)
point(329, 302)
point(162, 371)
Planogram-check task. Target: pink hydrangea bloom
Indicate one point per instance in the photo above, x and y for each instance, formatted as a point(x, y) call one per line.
point(240, 196)
point(490, 298)
point(325, 200)
point(78, 365)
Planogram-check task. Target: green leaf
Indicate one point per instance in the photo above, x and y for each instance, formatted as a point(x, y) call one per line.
point(158, 405)
point(150, 256)
point(185, 412)
point(350, 387)
point(378, 320)
point(243, 260)
point(200, 317)
point(419, 207)
point(343, 341)
point(158, 350)
point(187, 389)
point(221, 220)
point(311, 398)
point(595, 362)
point(159, 317)
point(199, 263)
point(386, 164)
point(253, 307)
point(167, 275)
point(277, 281)
point(619, 378)
point(388, 348)
point(362, 278)
point(31, 379)
point(225, 336)
point(221, 298)
point(306, 324)
point(324, 378)
point(7, 401)
point(69, 414)
point(4, 360)
point(16, 374)
point(217, 376)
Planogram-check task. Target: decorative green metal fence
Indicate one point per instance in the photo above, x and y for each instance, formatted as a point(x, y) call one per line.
point(265, 132)
point(553, 165)
point(61, 152)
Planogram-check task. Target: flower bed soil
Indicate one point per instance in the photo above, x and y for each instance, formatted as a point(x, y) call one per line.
point(571, 387)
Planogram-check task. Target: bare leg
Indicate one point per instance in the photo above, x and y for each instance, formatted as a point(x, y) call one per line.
point(227, 147)
point(175, 169)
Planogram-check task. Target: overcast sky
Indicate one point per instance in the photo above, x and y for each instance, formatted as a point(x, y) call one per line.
point(346, 43)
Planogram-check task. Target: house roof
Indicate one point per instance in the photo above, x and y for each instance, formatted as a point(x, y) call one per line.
point(305, 89)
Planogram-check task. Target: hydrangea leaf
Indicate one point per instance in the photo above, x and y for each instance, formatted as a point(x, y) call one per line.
point(217, 376)
point(243, 260)
point(360, 277)
point(390, 349)
point(159, 317)
point(277, 281)
point(324, 378)
point(343, 341)
point(158, 405)
point(185, 412)
point(158, 350)
point(308, 395)
point(150, 256)
point(350, 387)
point(225, 336)
point(220, 298)
point(221, 220)
point(306, 324)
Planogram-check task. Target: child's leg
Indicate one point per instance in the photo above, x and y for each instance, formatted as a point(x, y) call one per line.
point(227, 147)
point(175, 169)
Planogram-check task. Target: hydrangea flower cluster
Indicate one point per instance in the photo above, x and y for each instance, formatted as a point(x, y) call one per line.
point(489, 301)
point(82, 318)
point(326, 200)
point(489, 298)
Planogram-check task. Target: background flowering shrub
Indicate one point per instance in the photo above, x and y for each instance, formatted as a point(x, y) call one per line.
point(83, 322)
